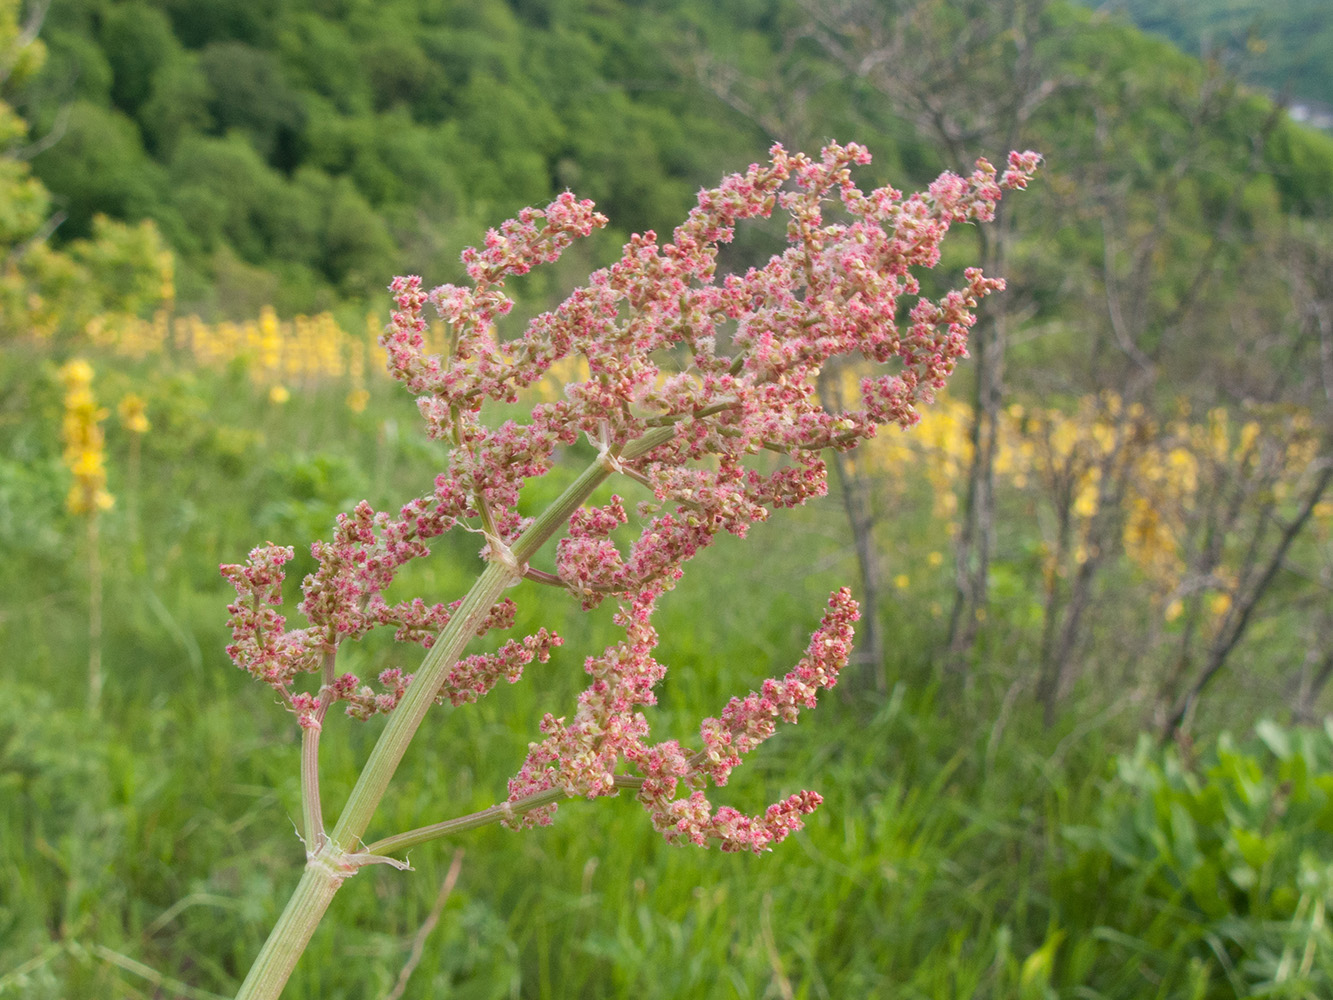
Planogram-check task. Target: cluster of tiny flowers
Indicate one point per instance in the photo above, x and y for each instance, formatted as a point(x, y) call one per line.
point(360, 563)
point(581, 756)
point(133, 413)
point(689, 384)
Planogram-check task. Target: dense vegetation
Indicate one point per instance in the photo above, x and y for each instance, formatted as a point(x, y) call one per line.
point(291, 151)
point(962, 847)
point(1042, 803)
point(1284, 47)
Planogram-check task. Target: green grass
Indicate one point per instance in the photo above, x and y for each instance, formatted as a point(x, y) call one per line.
point(147, 853)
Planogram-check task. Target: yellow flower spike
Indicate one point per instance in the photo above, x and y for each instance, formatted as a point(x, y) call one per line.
point(87, 465)
point(268, 322)
point(1104, 436)
point(166, 275)
point(279, 394)
point(1248, 435)
point(97, 332)
point(77, 372)
point(1085, 503)
point(356, 359)
point(1218, 433)
point(1183, 469)
point(83, 440)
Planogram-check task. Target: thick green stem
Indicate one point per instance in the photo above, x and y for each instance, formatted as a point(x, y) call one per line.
point(419, 697)
point(293, 931)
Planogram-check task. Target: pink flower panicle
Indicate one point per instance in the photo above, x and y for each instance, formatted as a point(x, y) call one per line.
point(344, 599)
point(474, 676)
point(581, 756)
point(260, 641)
point(691, 377)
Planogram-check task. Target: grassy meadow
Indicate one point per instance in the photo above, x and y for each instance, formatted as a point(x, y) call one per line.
point(964, 848)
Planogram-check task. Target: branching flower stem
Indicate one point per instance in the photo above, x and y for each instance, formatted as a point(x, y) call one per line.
point(685, 432)
point(495, 814)
point(311, 811)
point(331, 857)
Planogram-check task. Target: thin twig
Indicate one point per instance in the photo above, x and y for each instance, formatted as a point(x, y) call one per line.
point(161, 982)
point(419, 942)
point(1238, 620)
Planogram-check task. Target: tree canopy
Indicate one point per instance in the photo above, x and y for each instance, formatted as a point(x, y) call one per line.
point(334, 143)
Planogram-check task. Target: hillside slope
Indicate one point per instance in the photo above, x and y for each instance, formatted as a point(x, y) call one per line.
point(300, 153)
point(1287, 48)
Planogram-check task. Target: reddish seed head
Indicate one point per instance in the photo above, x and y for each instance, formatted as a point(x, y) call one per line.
point(716, 369)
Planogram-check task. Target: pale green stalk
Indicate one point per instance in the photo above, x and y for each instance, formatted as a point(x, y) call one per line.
point(505, 810)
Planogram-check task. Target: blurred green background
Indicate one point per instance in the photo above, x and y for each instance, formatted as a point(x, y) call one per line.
point(1085, 751)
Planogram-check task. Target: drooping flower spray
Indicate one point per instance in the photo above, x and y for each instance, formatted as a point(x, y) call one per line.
point(701, 389)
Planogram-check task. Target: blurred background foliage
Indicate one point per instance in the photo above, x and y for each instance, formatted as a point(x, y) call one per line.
point(1284, 50)
point(1084, 751)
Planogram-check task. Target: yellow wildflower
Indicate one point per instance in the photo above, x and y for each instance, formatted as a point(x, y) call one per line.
point(83, 440)
point(357, 400)
point(133, 414)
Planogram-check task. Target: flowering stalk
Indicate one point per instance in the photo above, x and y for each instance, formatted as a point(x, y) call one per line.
point(84, 454)
point(696, 391)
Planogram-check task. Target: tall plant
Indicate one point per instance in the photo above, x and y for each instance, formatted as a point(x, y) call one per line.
point(701, 392)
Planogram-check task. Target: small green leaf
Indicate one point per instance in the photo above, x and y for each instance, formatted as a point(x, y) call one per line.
point(1275, 738)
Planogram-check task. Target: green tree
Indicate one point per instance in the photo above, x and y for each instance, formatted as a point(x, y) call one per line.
point(321, 58)
point(249, 93)
point(357, 248)
point(199, 22)
point(177, 106)
point(222, 189)
point(44, 291)
point(99, 166)
point(138, 41)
